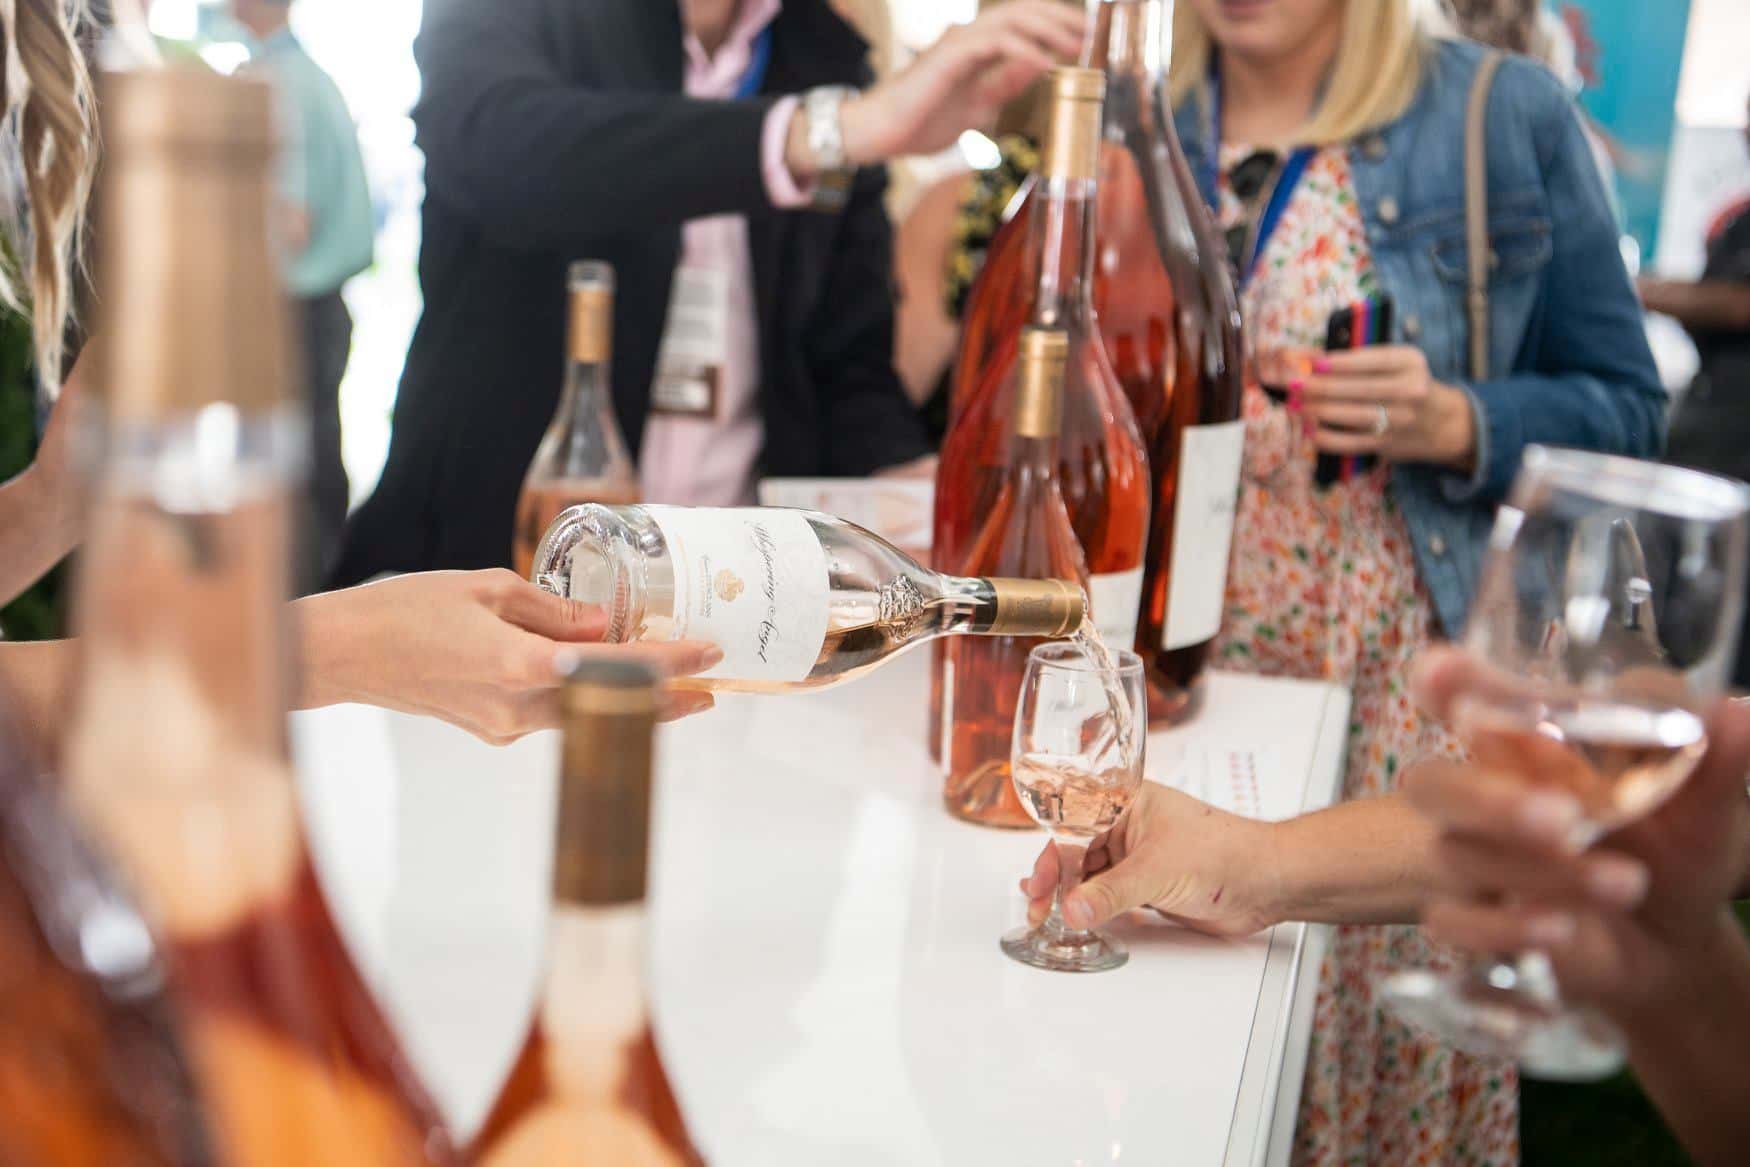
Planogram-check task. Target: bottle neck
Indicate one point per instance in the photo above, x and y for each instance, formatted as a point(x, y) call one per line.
point(177, 757)
point(587, 401)
point(186, 568)
point(1010, 607)
point(593, 1008)
point(1132, 43)
point(1061, 254)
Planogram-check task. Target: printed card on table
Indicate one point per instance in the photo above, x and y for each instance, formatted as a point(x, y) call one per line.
point(899, 510)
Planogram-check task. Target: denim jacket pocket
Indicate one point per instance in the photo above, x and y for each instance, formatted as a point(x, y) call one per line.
point(1521, 245)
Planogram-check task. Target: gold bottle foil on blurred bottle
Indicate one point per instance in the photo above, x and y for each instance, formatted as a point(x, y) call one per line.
point(178, 759)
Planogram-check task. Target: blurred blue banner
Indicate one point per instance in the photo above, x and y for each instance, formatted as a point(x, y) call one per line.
point(1630, 53)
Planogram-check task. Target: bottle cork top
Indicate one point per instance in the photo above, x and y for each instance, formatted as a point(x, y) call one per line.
point(186, 108)
point(1074, 83)
point(592, 311)
point(1072, 142)
point(1039, 403)
point(609, 714)
point(193, 313)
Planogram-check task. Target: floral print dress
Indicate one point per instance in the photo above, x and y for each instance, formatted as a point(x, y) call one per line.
point(1324, 586)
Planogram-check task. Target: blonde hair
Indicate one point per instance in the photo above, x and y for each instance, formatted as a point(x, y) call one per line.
point(47, 115)
point(1379, 65)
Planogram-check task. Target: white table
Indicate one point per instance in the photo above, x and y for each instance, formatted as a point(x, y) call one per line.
point(825, 958)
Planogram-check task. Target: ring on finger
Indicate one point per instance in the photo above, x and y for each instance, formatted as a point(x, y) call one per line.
point(1381, 421)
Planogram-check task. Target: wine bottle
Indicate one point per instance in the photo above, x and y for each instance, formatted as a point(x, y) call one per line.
point(796, 599)
point(588, 1086)
point(1171, 322)
point(1168, 318)
point(177, 756)
point(1027, 532)
point(1102, 466)
point(92, 1072)
point(582, 457)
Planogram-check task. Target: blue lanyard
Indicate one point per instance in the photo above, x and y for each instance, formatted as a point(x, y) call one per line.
point(1287, 179)
point(759, 60)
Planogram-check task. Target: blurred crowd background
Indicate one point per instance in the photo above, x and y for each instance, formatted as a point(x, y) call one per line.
point(368, 50)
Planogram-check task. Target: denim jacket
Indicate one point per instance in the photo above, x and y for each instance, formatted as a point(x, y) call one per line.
point(1569, 355)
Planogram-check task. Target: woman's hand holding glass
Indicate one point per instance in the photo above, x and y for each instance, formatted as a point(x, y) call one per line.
point(1081, 727)
point(1628, 925)
point(1198, 866)
point(1604, 623)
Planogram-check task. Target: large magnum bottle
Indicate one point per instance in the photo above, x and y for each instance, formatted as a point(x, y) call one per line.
point(582, 457)
point(588, 1087)
point(1102, 467)
point(796, 599)
point(178, 758)
point(1170, 323)
point(1027, 531)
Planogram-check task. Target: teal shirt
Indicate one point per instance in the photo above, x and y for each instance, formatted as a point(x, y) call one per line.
point(322, 171)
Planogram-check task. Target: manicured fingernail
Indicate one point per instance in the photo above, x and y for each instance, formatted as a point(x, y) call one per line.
point(1298, 385)
point(1322, 365)
point(1551, 930)
point(1551, 817)
point(1617, 883)
point(1078, 914)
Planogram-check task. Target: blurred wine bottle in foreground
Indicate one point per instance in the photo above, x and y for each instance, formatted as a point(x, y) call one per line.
point(1102, 469)
point(178, 759)
point(795, 599)
point(92, 1073)
point(588, 1086)
point(582, 457)
point(1026, 532)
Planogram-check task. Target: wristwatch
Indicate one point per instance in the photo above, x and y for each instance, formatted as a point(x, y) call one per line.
point(826, 141)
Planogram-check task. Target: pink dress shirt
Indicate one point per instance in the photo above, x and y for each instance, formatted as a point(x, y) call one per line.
point(711, 461)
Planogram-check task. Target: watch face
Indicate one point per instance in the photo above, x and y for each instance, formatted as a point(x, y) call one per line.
point(825, 136)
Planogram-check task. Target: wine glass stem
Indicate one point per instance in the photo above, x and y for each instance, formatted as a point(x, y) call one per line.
point(1071, 861)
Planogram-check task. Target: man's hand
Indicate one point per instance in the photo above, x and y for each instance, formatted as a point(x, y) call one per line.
point(958, 84)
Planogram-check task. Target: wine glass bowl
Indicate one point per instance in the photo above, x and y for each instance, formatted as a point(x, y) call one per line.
point(1606, 623)
point(1077, 765)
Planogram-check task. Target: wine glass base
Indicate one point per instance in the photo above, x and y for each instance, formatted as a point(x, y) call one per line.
point(1548, 1042)
point(1080, 953)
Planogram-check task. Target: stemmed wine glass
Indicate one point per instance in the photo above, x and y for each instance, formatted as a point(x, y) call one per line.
point(1607, 617)
point(1080, 727)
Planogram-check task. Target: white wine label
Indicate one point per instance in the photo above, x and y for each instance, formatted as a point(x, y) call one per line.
point(695, 345)
point(753, 582)
point(1116, 599)
point(1203, 531)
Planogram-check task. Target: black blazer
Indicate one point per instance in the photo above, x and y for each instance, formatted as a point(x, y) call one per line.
point(555, 130)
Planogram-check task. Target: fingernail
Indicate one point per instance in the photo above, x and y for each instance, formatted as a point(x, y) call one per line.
point(1551, 930)
point(1078, 914)
point(1322, 365)
point(1617, 883)
point(1297, 385)
point(1552, 817)
point(711, 657)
